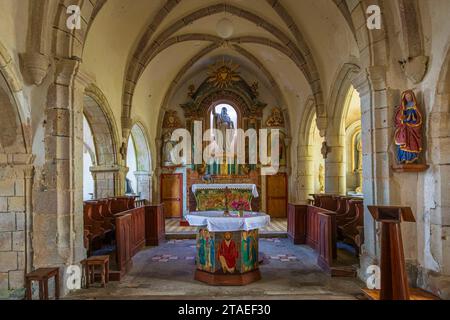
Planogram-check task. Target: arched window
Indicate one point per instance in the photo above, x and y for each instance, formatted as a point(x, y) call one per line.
point(89, 160)
point(353, 142)
point(230, 111)
point(132, 184)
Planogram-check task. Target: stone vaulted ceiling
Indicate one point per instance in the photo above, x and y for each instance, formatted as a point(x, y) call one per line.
point(147, 47)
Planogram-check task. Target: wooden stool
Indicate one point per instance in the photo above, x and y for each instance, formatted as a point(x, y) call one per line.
point(42, 276)
point(89, 265)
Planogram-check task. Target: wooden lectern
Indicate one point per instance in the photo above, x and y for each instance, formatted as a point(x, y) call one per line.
point(394, 280)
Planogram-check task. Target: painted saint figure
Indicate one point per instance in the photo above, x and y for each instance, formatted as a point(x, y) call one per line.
point(408, 134)
point(228, 254)
point(168, 150)
point(202, 247)
point(249, 251)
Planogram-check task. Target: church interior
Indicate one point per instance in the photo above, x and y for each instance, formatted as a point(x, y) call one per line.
point(261, 149)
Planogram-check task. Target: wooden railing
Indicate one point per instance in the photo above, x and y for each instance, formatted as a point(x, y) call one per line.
point(141, 203)
point(315, 227)
point(135, 229)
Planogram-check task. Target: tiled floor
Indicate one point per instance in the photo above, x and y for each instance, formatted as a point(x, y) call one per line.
point(167, 272)
point(275, 226)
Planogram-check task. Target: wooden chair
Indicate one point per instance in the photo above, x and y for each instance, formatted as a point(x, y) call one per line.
point(42, 276)
point(89, 265)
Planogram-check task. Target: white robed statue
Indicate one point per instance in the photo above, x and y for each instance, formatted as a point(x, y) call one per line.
point(223, 123)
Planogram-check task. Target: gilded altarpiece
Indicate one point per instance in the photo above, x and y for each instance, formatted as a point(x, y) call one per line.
point(224, 85)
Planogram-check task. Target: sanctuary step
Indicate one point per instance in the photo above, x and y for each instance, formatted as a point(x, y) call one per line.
point(415, 294)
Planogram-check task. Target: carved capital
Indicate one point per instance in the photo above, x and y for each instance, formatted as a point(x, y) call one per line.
point(377, 77)
point(35, 67)
point(415, 69)
point(127, 124)
point(29, 172)
point(65, 71)
point(322, 125)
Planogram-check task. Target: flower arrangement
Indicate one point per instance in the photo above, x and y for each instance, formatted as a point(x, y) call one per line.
point(240, 205)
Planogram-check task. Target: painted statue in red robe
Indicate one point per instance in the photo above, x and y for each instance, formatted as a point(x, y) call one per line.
point(228, 254)
point(408, 133)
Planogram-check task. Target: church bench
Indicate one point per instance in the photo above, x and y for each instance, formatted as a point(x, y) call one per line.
point(349, 214)
point(352, 230)
point(326, 201)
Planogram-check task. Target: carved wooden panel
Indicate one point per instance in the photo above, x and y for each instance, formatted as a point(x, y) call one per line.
point(138, 229)
point(155, 225)
point(297, 223)
point(312, 227)
point(277, 196)
point(172, 195)
point(124, 242)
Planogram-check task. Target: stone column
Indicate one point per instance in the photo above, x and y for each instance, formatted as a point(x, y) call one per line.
point(107, 181)
point(305, 176)
point(335, 180)
point(377, 105)
point(144, 184)
point(58, 201)
point(29, 175)
point(14, 206)
point(157, 173)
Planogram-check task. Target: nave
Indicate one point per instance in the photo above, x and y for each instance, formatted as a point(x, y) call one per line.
point(288, 272)
point(126, 124)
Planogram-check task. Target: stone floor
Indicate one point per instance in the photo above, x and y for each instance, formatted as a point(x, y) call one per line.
point(167, 272)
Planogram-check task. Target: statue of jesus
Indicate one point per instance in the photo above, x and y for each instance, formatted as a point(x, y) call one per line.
point(223, 123)
point(223, 120)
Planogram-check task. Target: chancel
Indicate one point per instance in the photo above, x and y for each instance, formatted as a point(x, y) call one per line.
point(226, 149)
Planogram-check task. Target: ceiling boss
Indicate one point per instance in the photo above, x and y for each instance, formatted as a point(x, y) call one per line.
point(223, 73)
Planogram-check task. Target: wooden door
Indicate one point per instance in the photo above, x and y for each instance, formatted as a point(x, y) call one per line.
point(277, 196)
point(172, 195)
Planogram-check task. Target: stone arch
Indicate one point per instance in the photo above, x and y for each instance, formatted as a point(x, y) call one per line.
point(302, 53)
point(352, 176)
point(437, 211)
point(16, 175)
point(103, 126)
point(305, 158)
point(197, 58)
point(15, 120)
point(100, 117)
point(144, 173)
point(335, 180)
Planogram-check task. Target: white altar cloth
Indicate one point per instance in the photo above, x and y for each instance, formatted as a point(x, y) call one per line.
point(251, 187)
point(215, 221)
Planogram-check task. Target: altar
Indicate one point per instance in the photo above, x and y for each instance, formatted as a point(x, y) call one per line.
point(227, 246)
point(223, 196)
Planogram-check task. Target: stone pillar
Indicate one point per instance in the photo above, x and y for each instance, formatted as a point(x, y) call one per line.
point(335, 180)
point(58, 199)
point(29, 176)
point(377, 105)
point(157, 173)
point(144, 184)
point(305, 174)
point(14, 206)
point(107, 180)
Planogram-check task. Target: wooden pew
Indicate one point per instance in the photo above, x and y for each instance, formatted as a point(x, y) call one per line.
point(352, 230)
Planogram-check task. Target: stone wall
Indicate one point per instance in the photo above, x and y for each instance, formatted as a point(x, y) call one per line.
point(13, 257)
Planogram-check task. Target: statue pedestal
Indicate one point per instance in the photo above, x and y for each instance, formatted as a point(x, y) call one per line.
point(402, 168)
